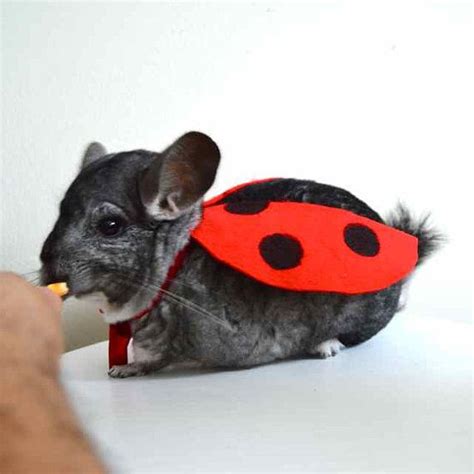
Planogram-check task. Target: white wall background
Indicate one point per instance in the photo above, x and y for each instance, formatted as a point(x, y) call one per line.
point(375, 97)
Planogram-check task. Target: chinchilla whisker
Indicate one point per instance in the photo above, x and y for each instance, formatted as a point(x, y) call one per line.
point(186, 303)
point(183, 301)
point(34, 280)
point(155, 287)
point(192, 306)
point(199, 310)
point(29, 274)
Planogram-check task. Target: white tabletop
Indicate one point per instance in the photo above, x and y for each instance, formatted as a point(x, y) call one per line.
point(400, 402)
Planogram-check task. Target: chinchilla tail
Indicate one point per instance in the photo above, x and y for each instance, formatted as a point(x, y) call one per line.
point(429, 239)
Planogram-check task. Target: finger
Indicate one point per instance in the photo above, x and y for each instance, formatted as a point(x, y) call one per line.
point(53, 300)
point(15, 287)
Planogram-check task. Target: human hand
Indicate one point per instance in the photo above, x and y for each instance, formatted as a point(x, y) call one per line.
point(30, 329)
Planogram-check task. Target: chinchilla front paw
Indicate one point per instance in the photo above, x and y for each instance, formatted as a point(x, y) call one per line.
point(128, 370)
point(135, 369)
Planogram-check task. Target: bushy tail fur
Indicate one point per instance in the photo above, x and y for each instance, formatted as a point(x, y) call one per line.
point(429, 239)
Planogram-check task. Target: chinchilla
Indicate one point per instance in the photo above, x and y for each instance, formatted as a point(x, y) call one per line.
point(127, 215)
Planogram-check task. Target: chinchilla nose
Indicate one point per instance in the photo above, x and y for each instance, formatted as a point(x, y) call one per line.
point(52, 273)
point(50, 258)
point(47, 252)
point(51, 246)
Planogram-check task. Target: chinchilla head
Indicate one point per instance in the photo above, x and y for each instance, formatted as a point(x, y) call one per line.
point(123, 220)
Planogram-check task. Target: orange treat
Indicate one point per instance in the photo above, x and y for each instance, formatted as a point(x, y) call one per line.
point(60, 288)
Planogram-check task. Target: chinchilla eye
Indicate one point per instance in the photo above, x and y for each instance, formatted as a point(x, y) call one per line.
point(110, 226)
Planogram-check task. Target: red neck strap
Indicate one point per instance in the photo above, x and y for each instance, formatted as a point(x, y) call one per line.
point(121, 333)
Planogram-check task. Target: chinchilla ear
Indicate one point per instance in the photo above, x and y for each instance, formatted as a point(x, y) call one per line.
point(94, 151)
point(179, 177)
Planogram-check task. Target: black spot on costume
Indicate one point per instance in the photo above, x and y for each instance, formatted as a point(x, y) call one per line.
point(281, 251)
point(362, 240)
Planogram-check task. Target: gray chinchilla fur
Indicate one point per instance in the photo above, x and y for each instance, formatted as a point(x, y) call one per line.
point(127, 215)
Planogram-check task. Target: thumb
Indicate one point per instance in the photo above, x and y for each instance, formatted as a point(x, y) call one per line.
point(53, 300)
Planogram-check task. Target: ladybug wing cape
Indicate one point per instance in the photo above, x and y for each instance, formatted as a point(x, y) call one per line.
point(306, 247)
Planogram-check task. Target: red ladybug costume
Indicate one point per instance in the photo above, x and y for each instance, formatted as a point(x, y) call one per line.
point(294, 246)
